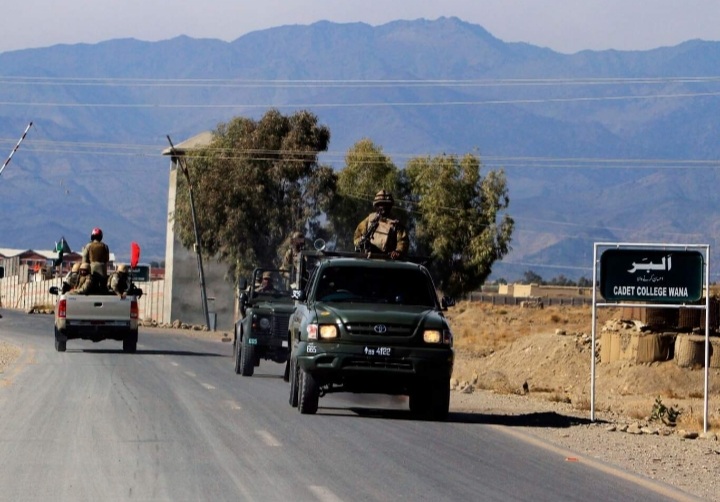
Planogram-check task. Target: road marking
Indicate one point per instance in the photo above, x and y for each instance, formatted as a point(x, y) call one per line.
point(324, 494)
point(268, 438)
point(207, 386)
point(233, 405)
point(190, 374)
point(174, 363)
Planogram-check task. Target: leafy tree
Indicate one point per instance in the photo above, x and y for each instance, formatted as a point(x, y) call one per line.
point(367, 170)
point(459, 220)
point(584, 282)
point(530, 277)
point(256, 183)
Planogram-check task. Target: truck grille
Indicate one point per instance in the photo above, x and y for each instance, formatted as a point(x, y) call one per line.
point(280, 325)
point(367, 329)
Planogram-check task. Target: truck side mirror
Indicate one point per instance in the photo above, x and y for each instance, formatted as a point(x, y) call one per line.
point(2, 272)
point(298, 295)
point(242, 284)
point(53, 290)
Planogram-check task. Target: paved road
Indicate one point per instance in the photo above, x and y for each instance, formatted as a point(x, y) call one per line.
point(173, 422)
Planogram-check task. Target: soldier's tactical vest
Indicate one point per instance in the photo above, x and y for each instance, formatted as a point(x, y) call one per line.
point(385, 237)
point(98, 252)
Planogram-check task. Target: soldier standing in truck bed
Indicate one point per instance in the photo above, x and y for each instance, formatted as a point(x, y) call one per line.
point(97, 254)
point(378, 233)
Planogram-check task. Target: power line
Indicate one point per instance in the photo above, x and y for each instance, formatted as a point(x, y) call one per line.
point(368, 104)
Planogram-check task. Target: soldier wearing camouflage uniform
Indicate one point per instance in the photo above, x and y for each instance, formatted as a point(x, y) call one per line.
point(97, 254)
point(389, 235)
point(119, 281)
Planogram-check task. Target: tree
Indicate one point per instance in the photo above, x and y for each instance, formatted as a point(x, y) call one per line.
point(530, 277)
point(256, 183)
point(459, 220)
point(367, 170)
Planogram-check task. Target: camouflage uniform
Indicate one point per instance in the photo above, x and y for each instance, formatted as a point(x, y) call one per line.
point(297, 243)
point(71, 279)
point(119, 282)
point(97, 254)
point(390, 236)
point(85, 284)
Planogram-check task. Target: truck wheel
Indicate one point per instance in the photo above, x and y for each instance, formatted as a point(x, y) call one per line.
point(431, 400)
point(286, 374)
point(237, 350)
point(60, 343)
point(308, 393)
point(293, 384)
point(247, 358)
point(440, 400)
point(130, 342)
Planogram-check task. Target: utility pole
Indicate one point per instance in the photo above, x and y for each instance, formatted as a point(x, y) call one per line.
point(198, 252)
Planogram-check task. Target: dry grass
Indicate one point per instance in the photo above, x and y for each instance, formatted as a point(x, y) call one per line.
point(504, 346)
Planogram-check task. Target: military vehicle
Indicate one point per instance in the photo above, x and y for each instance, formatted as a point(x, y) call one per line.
point(264, 308)
point(368, 325)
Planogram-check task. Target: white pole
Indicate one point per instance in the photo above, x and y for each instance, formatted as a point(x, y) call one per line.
point(15, 149)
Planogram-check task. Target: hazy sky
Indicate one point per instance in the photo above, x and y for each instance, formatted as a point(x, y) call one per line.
point(563, 25)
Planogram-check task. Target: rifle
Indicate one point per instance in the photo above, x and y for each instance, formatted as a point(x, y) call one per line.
point(364, 244)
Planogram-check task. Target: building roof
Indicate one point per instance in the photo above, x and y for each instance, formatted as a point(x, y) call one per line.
point(196, 142)
point(47, 254)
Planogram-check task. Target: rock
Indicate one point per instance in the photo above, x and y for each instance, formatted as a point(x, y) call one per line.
point(454, 383)
point(687, 434)
point(634, 429)
point(710, 436)
point(560, 332)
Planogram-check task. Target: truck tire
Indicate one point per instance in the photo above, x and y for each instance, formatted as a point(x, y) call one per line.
point(431, 400)
point(308, 393)
point(60, 342)
point(293, 384)
point(237, 350)
point(247, 358)
point(130, 342)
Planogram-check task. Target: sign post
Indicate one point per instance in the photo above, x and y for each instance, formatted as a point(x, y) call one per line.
point(652, 275)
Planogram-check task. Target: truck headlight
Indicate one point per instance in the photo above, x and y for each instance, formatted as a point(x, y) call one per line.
point(328, 331)
point(264, 323)
point(432, 336)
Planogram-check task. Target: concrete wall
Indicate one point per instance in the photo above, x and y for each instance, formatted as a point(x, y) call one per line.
point(183, 297)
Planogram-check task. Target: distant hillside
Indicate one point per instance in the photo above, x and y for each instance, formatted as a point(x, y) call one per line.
point(597, 146)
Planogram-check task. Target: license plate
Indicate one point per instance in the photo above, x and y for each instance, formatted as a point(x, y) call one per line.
point(378, 351)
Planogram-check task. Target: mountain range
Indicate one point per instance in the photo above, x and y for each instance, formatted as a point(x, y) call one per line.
point(597, 146)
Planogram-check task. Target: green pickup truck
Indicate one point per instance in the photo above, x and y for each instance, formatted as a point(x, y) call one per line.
point(366, 325)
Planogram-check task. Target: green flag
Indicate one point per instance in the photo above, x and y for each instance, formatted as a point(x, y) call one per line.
point(61, 248)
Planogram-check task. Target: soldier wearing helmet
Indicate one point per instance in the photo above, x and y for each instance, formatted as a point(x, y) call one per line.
point(297, 244)
point(379, 233)
point(85, 284)
point(119, 281)
point(71, 279)
point(97, 254)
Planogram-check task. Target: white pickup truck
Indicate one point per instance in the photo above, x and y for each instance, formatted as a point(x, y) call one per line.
point(96, 318)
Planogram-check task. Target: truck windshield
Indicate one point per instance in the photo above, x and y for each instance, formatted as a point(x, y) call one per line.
point(375, 285)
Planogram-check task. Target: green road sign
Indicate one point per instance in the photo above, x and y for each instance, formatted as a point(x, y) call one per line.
point(651, 275)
